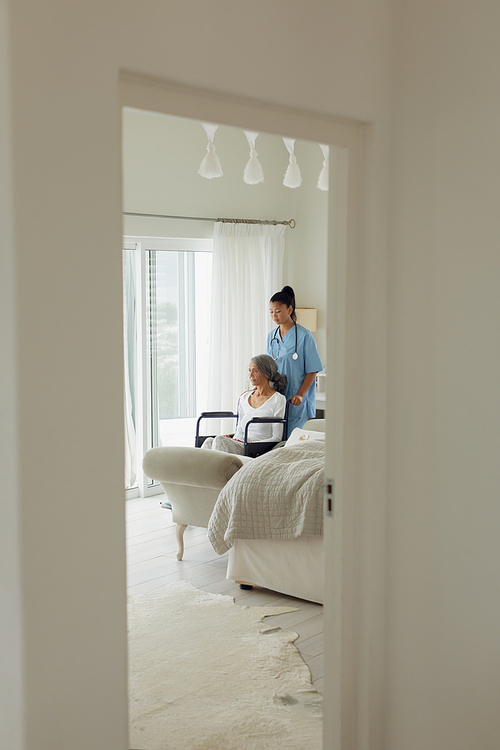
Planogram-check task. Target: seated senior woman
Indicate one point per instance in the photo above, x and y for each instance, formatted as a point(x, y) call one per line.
point(265, 399)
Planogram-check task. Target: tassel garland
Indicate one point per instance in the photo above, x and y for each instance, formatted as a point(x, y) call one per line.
point(253, 173)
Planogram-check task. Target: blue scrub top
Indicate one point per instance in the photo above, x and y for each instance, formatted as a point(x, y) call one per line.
point(281, 350)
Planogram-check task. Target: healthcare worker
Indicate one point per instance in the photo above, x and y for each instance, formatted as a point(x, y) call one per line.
point(294, 350)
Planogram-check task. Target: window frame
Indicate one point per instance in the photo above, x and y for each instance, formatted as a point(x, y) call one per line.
point(140, 246)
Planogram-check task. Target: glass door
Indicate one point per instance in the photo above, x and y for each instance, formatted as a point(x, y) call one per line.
point(167, 288)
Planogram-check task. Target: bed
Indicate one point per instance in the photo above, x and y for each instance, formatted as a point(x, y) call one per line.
point(270, 518)
point(282, 552)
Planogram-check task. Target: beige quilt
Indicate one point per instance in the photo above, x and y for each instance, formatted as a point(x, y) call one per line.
point(276, 496)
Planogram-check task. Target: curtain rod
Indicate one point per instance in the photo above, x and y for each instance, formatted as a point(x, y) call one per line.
point(290, 223)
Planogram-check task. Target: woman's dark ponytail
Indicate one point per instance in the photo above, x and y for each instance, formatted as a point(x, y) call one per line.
point(286, 297)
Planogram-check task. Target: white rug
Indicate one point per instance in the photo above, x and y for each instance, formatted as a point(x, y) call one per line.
point(208, 674)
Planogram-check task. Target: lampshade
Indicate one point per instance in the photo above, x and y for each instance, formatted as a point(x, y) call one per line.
point(307, 317)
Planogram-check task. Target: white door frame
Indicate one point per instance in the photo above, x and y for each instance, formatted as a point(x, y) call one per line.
point(345, 709)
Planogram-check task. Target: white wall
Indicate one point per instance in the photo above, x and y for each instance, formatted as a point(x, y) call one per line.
point(161, 157)
point(444, 395)
point(63, 638)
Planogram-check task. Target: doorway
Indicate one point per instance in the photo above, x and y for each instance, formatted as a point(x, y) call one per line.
point(342, 285)
point(167, 267)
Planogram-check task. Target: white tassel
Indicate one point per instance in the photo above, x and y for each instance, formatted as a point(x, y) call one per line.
point(292, 178)
point(324, 174)
point(253, 173)
point(210, 166)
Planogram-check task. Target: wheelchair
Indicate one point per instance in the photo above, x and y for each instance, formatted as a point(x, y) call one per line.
point(254, 449)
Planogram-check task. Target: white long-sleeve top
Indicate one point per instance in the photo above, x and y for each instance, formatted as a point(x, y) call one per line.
point(258, 433)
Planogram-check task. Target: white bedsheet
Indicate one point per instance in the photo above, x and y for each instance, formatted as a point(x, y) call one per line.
point(276, 496)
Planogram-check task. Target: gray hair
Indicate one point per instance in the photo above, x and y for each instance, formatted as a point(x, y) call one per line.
point(268, 367)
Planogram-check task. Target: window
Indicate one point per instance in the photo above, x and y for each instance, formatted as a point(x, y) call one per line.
point(167, 284)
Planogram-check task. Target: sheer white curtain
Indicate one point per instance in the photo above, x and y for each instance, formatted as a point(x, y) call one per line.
point(247, 271)
point(130, 353)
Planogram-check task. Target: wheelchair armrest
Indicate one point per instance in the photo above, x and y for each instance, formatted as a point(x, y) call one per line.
point(210, 415)
point(263, 420)
point(216, 414)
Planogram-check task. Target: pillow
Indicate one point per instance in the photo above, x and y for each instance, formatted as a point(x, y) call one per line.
point(299, 436)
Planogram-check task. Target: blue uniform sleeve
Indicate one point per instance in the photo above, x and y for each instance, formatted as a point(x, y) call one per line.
point(312, 362)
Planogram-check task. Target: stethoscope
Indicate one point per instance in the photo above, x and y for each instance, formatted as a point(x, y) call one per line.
point(276, 339)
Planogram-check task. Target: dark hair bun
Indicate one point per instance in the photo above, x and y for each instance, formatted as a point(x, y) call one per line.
point(288, 290)
point(279, 383)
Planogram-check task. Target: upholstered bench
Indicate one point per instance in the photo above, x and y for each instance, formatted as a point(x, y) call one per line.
point(191, 479)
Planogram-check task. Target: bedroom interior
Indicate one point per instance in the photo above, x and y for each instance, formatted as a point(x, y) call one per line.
point(161, 159)
point(161, 156)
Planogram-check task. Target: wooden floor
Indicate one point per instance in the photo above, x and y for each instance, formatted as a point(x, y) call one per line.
point(152, 562)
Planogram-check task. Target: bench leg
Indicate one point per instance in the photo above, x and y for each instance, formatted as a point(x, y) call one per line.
point(179, 535)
